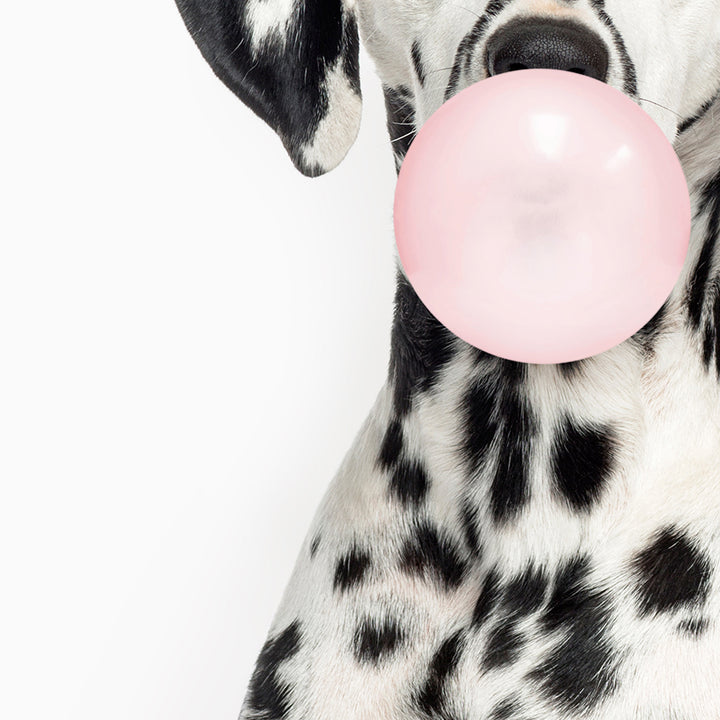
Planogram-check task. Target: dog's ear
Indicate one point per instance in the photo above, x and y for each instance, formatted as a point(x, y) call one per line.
point(294, 63)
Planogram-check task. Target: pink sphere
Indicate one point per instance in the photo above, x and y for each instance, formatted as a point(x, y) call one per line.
point(542, 216)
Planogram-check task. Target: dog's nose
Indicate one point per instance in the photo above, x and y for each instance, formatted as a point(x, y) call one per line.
point(539, 43)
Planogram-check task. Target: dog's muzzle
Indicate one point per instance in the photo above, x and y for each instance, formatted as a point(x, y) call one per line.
point(524, 43)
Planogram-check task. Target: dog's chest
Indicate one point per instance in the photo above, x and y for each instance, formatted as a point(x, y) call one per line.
point(602, 601)
point(592, 588)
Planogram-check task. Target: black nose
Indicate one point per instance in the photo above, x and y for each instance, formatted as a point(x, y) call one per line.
point(542, 43)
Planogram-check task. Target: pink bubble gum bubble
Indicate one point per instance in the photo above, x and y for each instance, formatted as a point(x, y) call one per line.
point(542, 216)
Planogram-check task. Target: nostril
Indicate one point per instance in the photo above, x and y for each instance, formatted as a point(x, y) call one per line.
point(540, 43)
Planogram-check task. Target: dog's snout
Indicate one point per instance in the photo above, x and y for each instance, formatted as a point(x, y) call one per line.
point(540, 43)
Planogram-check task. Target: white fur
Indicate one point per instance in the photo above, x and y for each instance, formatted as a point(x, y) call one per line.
point(269, 17)
point(339, 126)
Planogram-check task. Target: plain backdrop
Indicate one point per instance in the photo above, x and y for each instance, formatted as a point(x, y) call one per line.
point(191, 334)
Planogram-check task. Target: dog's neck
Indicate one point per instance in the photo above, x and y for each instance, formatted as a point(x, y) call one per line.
point(459, 410)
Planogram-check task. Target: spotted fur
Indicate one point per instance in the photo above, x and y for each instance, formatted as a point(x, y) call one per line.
point(502, 541)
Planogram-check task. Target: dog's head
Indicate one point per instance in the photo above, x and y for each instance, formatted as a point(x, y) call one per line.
point(295, 62)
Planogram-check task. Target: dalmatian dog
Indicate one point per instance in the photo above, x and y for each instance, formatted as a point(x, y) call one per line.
point(503, 541)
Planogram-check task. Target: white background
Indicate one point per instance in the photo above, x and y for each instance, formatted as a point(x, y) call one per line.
point(191, 333)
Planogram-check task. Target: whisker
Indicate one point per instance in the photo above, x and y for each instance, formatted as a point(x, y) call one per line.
point(402, 137)
point(652, 102)
point(472, 12)
point(437, 87)
point(430, 72)
point(405, 102)
point(677, 114)
point(368, 38)
point(411, 104)
point(254, 65)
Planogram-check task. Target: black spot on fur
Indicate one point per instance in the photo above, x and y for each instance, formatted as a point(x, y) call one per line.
point(478, 356)
point(420, 347)
point(351, 56)
point(582, 460)
point(571, 370)
point(525, 593)
point(689, 122)
point(711, 327)
point(503, 646)
point(409, 483)
point(581, 669)
point(510, 488)
point(716, 325)
point(269, 695)
point(314, 545)
point(400, 112)
point(376, 640)
point(648, 333)
point(488, 599)
point(698, 286)
point(514, 374)
point(433, 556)
point(431, 697)
point(708, 344)
point(417, 62)
point(694, 627)
point(468, 519)
point(480, 428)
point(500, 396)
point(391, 446)
point(568, 595)
point(504, 710)
point(350, 569)
point(630, 72)
point(671, 573)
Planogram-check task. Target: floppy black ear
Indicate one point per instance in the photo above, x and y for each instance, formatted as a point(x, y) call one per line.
point(293, 62)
